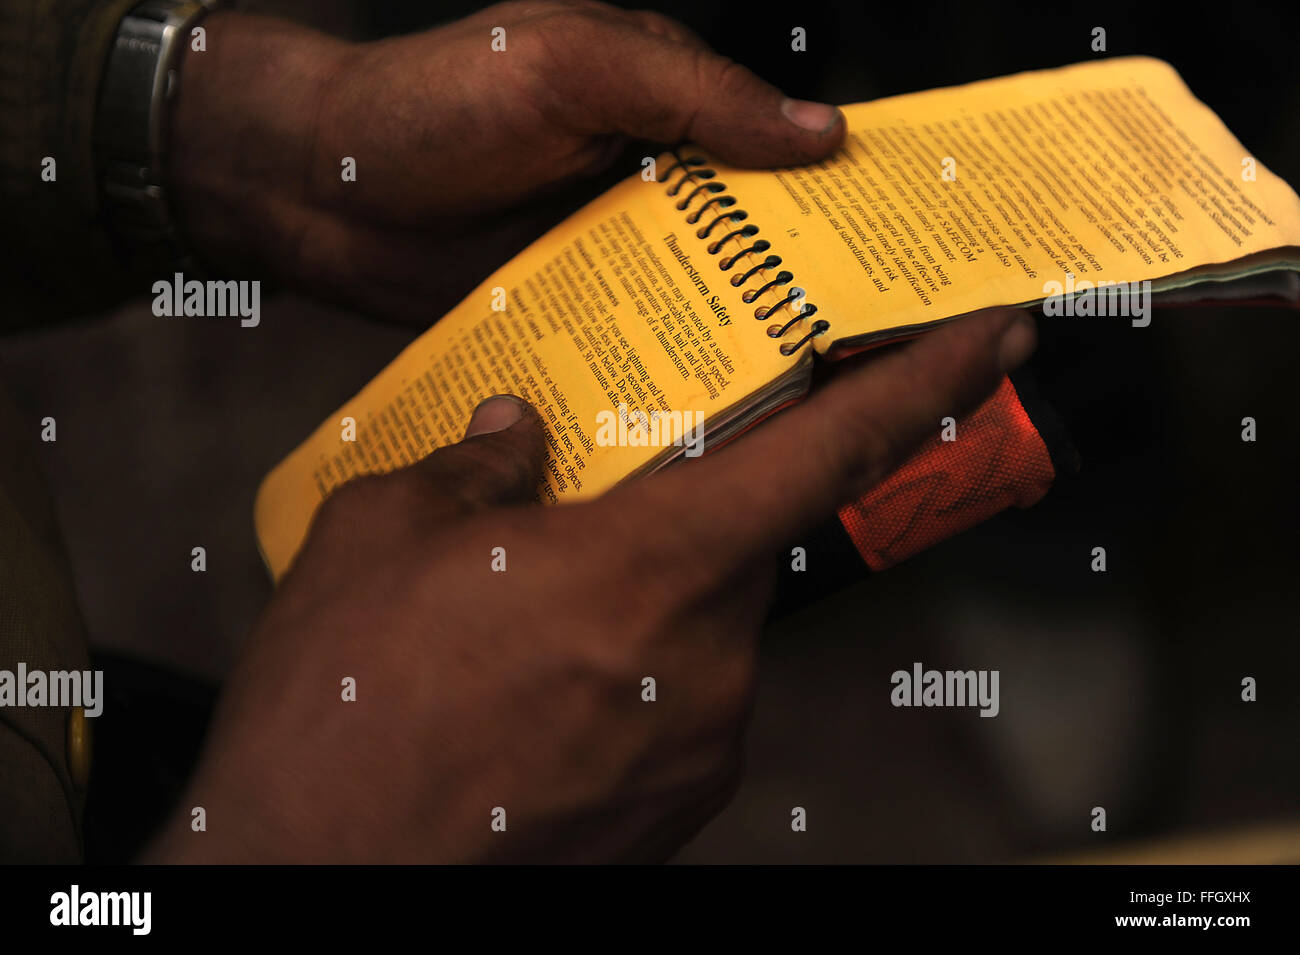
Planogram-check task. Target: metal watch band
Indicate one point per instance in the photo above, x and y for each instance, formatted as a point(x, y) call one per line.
point(131, 124)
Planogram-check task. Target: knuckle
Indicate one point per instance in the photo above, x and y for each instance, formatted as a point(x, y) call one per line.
point(915, 368)
point(859, 447)
point(724, 76)
point(482, 462)
point(661, 24)
point(476, 474)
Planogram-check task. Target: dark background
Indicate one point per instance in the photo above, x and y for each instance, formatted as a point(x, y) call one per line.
point(1118, 690)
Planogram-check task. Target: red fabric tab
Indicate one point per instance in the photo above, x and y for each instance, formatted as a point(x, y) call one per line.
point(945, 487)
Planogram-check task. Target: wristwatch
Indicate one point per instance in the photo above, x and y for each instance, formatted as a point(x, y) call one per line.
point(139, 81)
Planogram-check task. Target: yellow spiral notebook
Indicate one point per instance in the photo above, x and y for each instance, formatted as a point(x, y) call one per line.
point(676, 310)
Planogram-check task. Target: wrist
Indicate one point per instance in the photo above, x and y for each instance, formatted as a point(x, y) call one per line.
point(242, 139)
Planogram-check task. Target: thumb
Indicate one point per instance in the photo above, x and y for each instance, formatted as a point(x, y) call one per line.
point(499, 462)
point(668, 89)
point(845, 438)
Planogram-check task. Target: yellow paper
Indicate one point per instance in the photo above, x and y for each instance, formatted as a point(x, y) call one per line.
point(620, 306)
point(940, 203)
point(956, 199)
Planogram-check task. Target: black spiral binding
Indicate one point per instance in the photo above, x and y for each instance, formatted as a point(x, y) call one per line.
point(743, 237)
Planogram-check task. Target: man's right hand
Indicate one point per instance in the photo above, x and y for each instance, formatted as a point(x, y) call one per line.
point(522, 689)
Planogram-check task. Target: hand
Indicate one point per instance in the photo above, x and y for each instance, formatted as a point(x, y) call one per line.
point(522, 689)
point(445, 133)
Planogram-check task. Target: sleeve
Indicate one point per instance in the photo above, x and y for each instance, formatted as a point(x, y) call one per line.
point(44, 760)
point(57, 257)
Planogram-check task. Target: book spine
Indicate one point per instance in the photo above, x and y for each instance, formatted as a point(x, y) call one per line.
point(718, 213)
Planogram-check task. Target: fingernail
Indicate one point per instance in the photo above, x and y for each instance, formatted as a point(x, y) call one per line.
point(814, 117)
point(494, 414)
point(1018, 340)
